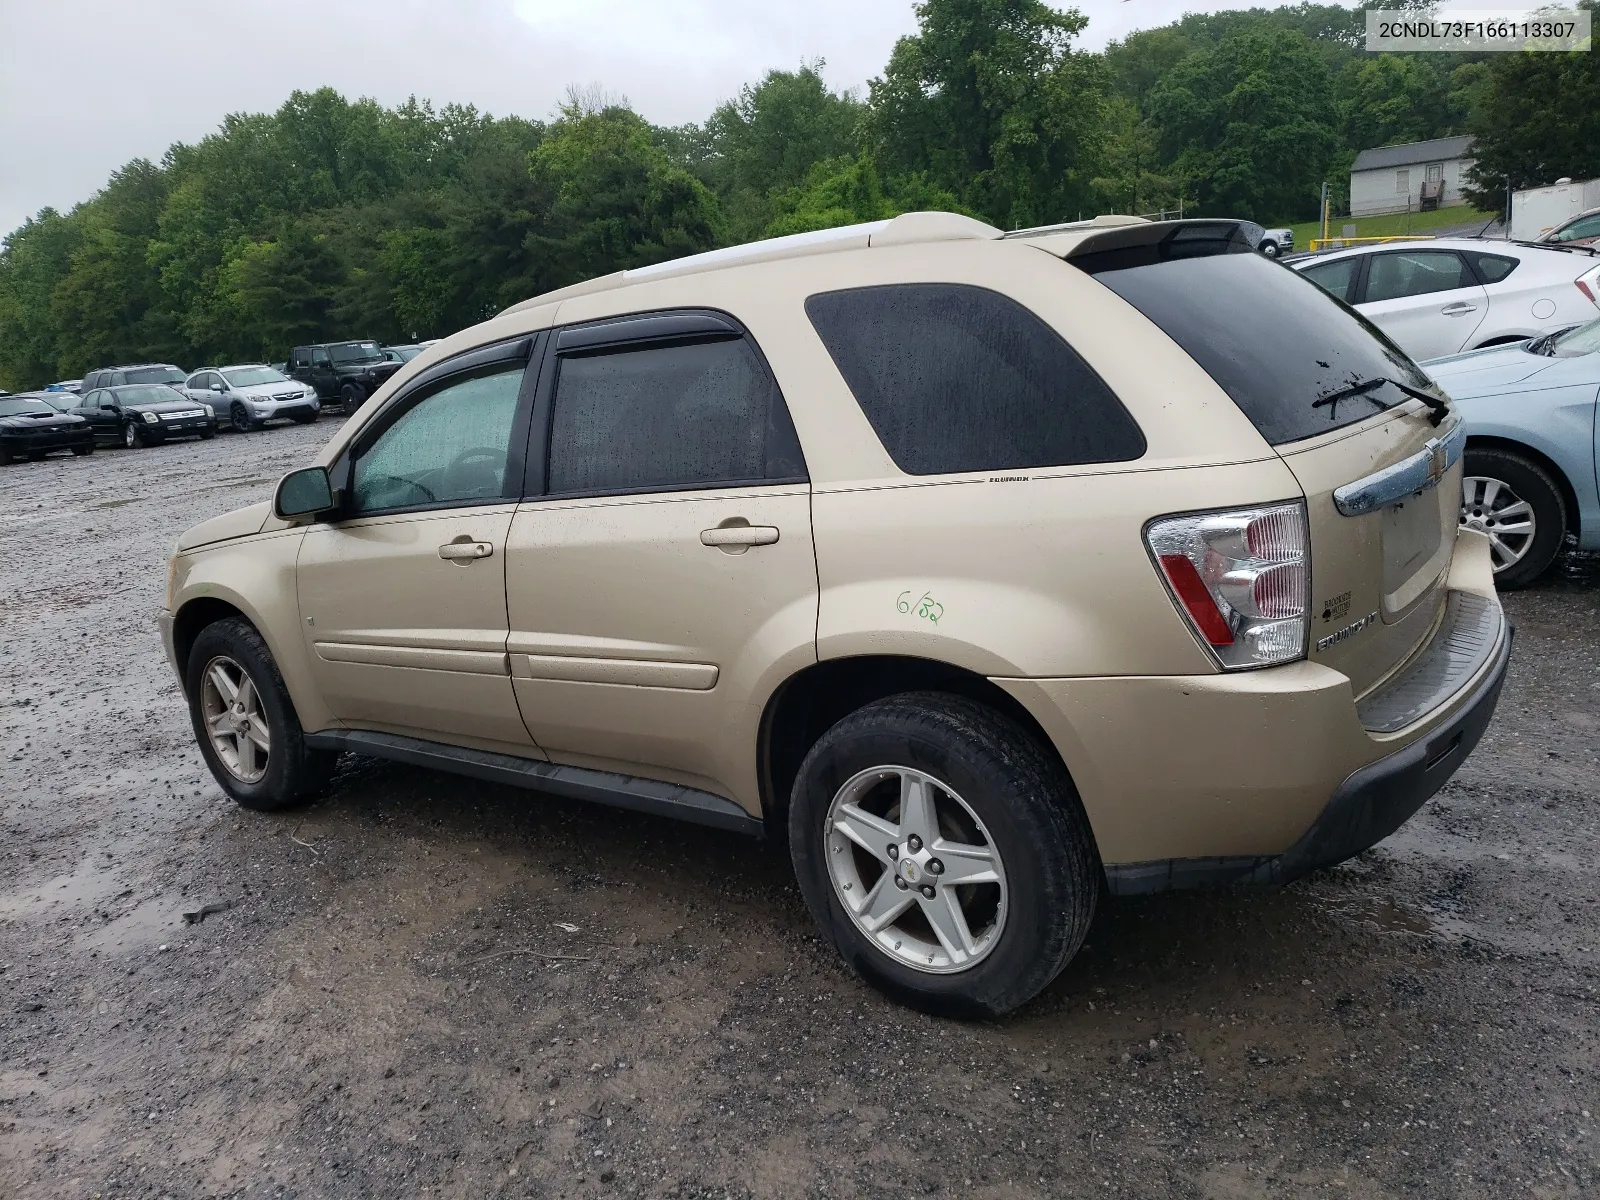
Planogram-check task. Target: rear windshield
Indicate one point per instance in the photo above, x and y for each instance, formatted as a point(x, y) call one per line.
point(1286, 351)
point(156, 375)
point(355, 352)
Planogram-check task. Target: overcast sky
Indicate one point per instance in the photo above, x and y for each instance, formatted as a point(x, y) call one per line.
point(86, 85)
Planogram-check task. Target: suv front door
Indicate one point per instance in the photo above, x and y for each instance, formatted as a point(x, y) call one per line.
point(1427, 300)
point(403, 595)
point(665, 577)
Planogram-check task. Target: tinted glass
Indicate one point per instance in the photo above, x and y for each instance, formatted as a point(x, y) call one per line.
point(957, 378)
point(1335, 276)
point(155, 375)
point(146, 394)
point(350, 352)
point(18, 406)
point(1492, 268)
point(1401, 273)
point(252, 377)
point(319, 357)
point(452, 446)
point(1276, 343)
point(1583, 227)
point(691, 415)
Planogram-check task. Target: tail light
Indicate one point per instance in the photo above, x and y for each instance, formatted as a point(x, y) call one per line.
point(1242, 577)
point(1589, 285)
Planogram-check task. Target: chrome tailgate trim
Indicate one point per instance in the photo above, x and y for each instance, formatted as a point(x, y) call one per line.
point(1408, 477)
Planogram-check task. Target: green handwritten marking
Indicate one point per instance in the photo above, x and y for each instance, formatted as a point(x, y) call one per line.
point(927, 607)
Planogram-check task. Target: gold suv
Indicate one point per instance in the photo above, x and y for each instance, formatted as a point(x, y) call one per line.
point(988, 569)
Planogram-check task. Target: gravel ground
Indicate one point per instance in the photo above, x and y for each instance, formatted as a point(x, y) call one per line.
point(432, 986)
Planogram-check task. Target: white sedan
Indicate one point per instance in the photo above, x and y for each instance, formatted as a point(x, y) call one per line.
point(1453, 294)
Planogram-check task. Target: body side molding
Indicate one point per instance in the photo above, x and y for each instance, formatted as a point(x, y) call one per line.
point(578, 783)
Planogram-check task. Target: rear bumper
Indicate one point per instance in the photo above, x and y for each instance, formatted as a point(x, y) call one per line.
point(1368, 806)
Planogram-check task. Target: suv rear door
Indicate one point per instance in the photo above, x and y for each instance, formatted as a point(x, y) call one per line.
point(661, 572)
point(1428, 300)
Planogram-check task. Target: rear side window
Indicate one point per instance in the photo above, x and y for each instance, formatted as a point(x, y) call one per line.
point(1334, 277)
point(1402, 273)
point(1278, 344)
point(958, 378)
point(670, 417)
point(1492, 268)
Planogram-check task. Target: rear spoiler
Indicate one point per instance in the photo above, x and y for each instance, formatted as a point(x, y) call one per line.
point(1161, 241)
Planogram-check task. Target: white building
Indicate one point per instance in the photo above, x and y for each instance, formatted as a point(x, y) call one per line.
point(1409, 178)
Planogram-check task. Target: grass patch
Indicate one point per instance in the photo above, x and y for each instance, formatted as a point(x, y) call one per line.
point(1395, 223)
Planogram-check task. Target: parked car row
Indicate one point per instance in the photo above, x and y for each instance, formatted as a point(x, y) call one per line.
point(1453, 294)
point(145, 404)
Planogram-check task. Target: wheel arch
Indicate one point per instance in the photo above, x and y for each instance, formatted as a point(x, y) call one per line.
point(193, 617)
point(1569, 495)
point(1503, 339)
point(813, 699)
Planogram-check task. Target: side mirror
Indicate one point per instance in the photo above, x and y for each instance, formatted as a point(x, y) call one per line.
point(215, 387)
point(303, 493)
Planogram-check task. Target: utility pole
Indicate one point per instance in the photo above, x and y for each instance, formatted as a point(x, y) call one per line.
point(1324, 237)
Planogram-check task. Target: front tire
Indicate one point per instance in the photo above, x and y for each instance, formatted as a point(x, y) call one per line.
point(245, 721)
point(960, 792)
point(241, 420)
point(133, 436)
point(350, 398)
point(1270, 249)
point(1518, 505)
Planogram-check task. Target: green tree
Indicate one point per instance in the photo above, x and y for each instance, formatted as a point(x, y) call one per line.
point(616, 199)
point(33, 261)
point(989, 100)
point(1535, 122)
point(1250, 124)
point(286, 288)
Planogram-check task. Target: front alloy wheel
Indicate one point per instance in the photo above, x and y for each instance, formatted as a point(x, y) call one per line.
point(916, 869)
point(235, 720)
point(131, 437)
point(239, 418)
point(1517, 504)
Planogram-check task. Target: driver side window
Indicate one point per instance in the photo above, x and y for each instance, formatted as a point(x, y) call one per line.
point(452, 447)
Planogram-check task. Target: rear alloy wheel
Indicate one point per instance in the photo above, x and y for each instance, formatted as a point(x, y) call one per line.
point(1516, 504)
point(132, 436)
point(245, 722)
point(944, 853)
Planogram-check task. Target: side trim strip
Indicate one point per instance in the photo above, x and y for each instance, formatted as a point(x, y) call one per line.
point(424, 658)
point(693, 677)
point(1421, 471)
point(577, 783)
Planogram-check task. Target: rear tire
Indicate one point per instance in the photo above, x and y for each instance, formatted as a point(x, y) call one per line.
point(1519, 506)
point(229, 652)
point(303, 418)
point(998, 791)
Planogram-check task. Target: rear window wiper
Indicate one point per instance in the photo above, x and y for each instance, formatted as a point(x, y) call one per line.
point(1437, 408)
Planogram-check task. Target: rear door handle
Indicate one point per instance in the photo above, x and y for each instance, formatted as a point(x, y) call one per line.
point(739, 535)
point(465, 551)
point(1459, 308)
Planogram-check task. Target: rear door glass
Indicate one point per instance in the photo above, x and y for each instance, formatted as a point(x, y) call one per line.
point(1401, 273)
point(957, 378)
point(1335, 277)
point(1278, 344)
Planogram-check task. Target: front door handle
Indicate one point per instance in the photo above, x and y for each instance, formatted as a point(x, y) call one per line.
point(1459, 308)
point(465, 551)
point(739, 537)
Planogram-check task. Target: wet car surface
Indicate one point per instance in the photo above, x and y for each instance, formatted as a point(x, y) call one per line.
point(424, 982)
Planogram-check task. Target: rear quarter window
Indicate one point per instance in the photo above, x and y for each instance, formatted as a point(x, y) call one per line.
point(1278, 344)
point(956, 378)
